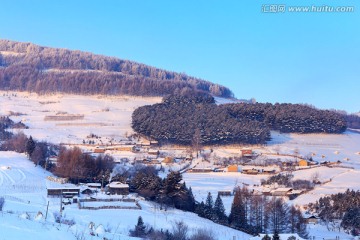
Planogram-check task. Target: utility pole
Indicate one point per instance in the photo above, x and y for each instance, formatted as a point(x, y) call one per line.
point(47, 209)
point(102, 183)
point(61, 197)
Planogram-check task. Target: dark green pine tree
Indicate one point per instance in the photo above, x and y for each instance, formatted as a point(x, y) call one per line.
point(276, 236)
point(30, 146)
point(191, 200)
point(200, 209)
point(172, 182)
point(266, 237)
point(140, 229)
point(209, 207)
point(219, 210)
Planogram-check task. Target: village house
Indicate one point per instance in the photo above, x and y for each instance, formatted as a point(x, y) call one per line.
point(118, 188)
point(246, 152)
point(154, 143)
point(65, 192)
point(281, 192)
point(153, 152)
point(99, 150)
point(145, 143)
point(266, 191)
point(125, 148)
point(312, 220)
point(199, 169)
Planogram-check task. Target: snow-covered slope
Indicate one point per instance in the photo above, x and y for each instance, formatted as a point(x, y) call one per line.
point(24, 188)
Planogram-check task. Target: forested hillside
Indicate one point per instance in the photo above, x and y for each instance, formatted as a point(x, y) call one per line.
point(195, 119)
point(29, 67)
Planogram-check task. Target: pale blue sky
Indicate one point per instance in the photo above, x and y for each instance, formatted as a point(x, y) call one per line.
point(274, 57)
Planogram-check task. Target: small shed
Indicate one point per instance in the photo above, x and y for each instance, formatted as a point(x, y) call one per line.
point(153, 152)
point(94, 185)
point(233, 168)
point(303, 163)
point(246, 152)
point(154, 143)
point(225, 193)
point(118, 188)
point(168, 160)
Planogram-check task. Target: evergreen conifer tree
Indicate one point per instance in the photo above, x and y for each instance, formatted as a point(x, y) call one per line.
point(219, 210)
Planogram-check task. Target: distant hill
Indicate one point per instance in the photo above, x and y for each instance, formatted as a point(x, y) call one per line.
point(29, 67)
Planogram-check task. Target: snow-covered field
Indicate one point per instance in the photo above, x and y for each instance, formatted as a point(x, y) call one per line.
point(109, 117)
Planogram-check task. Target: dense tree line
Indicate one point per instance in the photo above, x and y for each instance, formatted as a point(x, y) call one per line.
point(255, 214)
point(78, 166)
point(289, 118)
point(341, 206)
point(45, 70)
point(194, 117)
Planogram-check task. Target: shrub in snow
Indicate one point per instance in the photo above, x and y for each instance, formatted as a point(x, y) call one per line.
point(100, 230)
point(62, 219)
point(2, 203)
point(38, 216)
point(203, 234)
point(25, 216)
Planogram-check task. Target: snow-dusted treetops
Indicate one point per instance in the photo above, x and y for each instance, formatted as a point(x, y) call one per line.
point(29, 67)
point(196, 119)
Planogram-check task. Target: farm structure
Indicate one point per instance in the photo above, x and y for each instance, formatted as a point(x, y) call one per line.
point(65, 192)
point(118, 188)
point(303, 163)
point(225, 193)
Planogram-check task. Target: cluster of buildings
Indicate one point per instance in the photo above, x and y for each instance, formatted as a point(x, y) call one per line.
point(69, 191)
